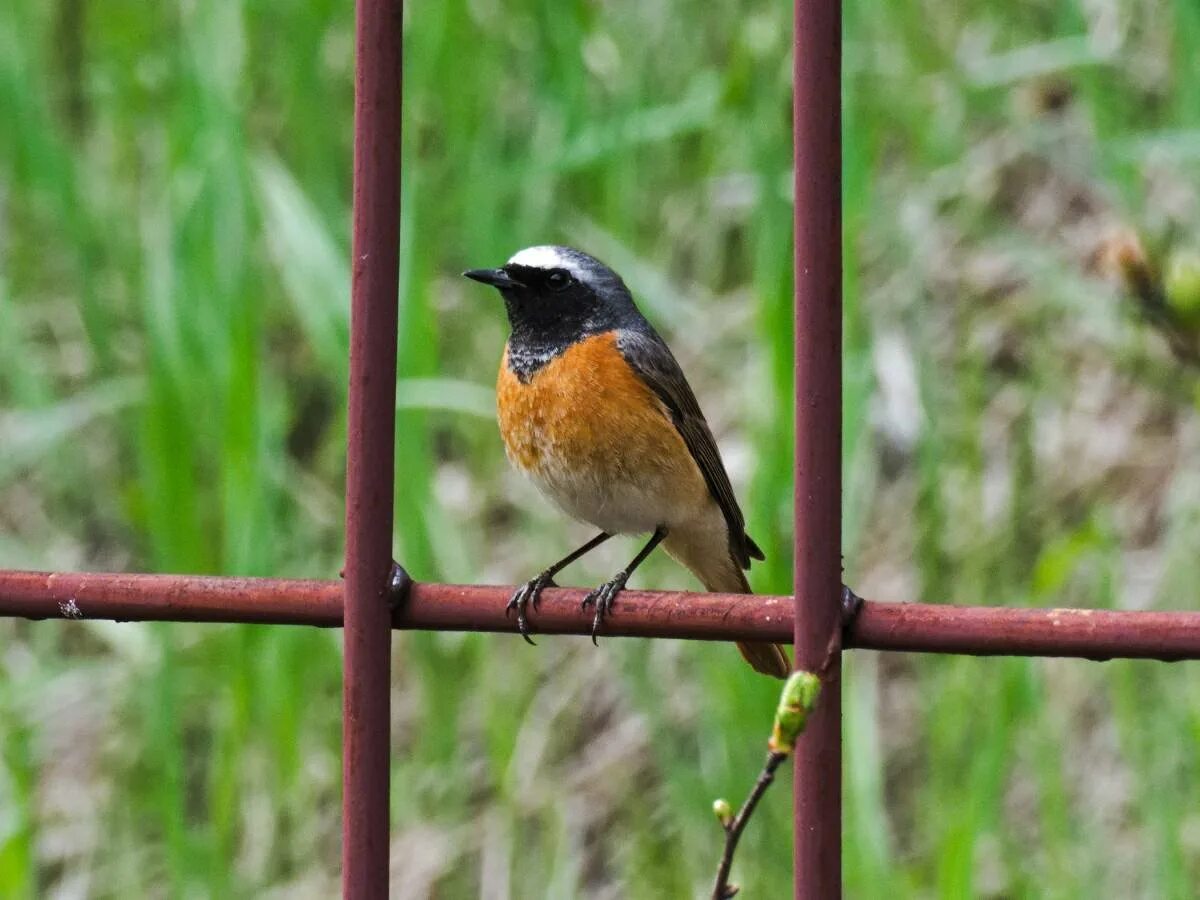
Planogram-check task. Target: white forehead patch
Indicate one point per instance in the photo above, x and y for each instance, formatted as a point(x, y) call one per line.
point(546, 257)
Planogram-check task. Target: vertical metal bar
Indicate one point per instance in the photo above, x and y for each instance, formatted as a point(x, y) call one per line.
point(818, 261)
point(370, 449)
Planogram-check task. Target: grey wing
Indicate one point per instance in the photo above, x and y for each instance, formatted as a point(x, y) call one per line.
point(650, 357)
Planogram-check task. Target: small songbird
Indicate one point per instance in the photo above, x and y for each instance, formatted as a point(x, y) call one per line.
point(596, 411)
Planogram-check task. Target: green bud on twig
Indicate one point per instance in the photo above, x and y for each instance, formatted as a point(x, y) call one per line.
point(723, 811)
point(795, 703)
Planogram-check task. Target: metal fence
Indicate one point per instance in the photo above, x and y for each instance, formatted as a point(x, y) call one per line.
point(376, 596)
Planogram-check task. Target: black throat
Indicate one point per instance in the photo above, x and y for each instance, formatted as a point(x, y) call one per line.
point(549, 316)
point(541, 332)
point(530, 349)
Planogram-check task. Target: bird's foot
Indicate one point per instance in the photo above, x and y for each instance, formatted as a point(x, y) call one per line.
point(528, 594)
point(603, 598)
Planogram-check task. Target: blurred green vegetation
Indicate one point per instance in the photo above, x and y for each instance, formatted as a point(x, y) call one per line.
point(174, 189)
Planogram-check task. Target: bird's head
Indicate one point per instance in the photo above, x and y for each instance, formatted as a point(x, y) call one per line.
point(558, 295)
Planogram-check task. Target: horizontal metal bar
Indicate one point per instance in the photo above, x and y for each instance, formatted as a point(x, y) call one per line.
point(170, 598)
point(914, 627)
point(441, 607)
point(1097, 634)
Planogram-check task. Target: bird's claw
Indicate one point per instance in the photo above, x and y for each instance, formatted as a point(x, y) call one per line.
point(603, 598)
point(528, 594)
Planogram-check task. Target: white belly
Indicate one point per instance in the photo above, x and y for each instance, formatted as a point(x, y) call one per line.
point(616, 505)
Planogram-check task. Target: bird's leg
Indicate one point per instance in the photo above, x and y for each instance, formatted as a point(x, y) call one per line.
point(604, 595)
point(531, 591)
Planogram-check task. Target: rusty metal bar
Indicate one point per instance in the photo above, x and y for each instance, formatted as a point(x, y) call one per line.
point(170, 598)
point(370, 449)
point(1097, 634)
point(816, 105)
point(912, 627)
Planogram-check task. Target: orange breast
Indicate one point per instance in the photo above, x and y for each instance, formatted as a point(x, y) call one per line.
point(587, 413)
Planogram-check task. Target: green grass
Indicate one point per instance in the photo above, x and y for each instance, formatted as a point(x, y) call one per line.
point(174, 189)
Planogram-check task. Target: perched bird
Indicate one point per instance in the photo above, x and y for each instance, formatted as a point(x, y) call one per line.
point(596, 411)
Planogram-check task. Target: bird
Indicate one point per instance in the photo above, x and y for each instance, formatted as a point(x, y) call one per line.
point(594, 409)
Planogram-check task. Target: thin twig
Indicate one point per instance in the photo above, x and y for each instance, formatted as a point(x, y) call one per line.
point(799, 696)
point(733, 831)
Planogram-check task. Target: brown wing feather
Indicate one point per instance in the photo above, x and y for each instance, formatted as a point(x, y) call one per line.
point(650, 357)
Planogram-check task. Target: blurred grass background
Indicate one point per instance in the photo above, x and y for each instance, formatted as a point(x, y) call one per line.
point(174, 189)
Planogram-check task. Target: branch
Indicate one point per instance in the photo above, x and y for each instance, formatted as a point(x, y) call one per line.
point(795, 703)
point(722, 889)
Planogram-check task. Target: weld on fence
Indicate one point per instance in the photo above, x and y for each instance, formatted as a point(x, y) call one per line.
point(376, 596)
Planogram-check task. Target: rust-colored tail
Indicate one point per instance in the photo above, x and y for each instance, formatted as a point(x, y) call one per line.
point(719, 572)
point(769, 659)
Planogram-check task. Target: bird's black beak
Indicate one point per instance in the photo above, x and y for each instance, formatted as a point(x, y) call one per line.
point(497, 278)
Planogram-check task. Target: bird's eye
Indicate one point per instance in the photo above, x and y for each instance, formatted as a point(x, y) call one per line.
point(558, 279)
